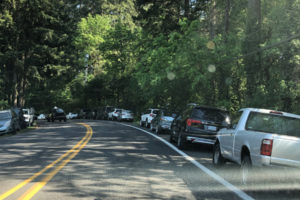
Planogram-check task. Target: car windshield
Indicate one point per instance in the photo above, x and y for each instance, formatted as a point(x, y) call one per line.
point(5, 115)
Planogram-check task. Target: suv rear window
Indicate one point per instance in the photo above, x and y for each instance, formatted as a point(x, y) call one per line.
point(210, 114)
point(270, 123)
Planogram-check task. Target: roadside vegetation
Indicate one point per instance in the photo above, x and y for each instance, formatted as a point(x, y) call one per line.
point(137, 54)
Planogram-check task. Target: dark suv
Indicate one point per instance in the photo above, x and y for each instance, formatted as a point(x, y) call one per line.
point(198, 124)
point(57, 114)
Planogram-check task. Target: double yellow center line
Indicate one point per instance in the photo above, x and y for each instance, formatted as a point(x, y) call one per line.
point(62, 160)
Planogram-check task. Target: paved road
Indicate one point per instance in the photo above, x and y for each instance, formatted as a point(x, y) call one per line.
point(110, 161)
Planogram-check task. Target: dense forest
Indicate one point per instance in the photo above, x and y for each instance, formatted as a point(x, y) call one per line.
point(137, 54)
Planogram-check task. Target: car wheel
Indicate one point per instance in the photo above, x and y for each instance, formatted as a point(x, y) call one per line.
point(181, 143)
point(171, 138)
point(218, 159)
point(246, 166)
point(141, 123)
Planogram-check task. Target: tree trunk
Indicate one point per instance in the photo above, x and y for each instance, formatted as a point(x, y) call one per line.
point(227, 14)
point(212, 20)
point(187, 8)
point(252, 44)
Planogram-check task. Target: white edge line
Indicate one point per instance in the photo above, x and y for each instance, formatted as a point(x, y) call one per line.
point(218, 178)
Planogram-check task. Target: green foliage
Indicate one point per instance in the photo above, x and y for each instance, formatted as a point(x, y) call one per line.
point(150, 54)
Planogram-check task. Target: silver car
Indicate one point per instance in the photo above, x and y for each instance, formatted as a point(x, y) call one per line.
point(8, 122)
point(125, 115)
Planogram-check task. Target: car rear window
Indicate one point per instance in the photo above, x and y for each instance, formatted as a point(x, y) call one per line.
point(210, 114)
point(271, 123)
point(59, 110)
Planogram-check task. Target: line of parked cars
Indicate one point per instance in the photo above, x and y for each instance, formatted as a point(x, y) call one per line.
point(15, 119)
point(256, 137)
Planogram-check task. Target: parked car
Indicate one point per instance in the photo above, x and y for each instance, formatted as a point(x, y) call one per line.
point(21, 118)
point(148, 116)
point(125, 115)
point(260, 137)
point(162, 121)
point(41, 117)
point(57, 114)
point(8, 122)
point(29, 116)
point(104, 113)
point(71, 115)
point(198, 124)
point(114, 114)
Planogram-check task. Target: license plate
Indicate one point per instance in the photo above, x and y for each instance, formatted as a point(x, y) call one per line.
point(211, 128)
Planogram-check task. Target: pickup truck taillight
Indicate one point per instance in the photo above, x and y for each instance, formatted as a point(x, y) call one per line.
point(191, 122)
point(266, 147)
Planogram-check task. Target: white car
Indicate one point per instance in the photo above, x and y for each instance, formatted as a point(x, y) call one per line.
point(29, 115)
point(41, 117)
point(114, 114)
point(71, 115)
point(125, 115)
point(147, 117)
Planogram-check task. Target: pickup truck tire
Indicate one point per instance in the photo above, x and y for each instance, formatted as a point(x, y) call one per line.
point(141, 123)
point(181, 143)
point(246, 166)
point(218, 159)
point(147, 124)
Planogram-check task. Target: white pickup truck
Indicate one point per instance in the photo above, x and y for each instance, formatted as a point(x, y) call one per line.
point(260, 138)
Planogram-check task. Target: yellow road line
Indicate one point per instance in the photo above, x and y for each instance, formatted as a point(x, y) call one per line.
point(38, 186)
point(25, 182)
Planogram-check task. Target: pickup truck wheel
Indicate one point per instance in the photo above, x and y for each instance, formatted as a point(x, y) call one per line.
point(141, 123)
point(181, 143)
point(218, 159)
point(246, 166)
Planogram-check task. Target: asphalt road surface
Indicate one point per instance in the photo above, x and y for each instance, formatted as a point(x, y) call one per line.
point(109, 160)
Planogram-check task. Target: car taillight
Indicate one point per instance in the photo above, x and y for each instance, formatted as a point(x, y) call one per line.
point(189, 122)
point(266, 147)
